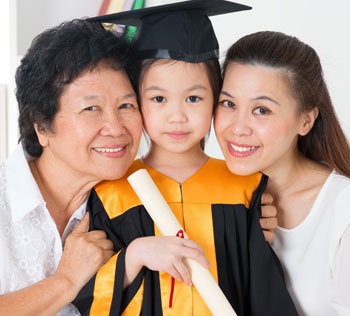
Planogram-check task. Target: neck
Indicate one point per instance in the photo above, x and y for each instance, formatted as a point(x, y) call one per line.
point(294, 185)
point(62, 189)
point(284, 175)
point(177, 165)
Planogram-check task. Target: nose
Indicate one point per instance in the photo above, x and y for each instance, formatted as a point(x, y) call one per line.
point(113, 125)
point(241, 124)
point(177, 113)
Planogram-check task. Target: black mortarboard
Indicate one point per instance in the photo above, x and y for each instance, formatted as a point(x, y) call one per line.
point(180, 31)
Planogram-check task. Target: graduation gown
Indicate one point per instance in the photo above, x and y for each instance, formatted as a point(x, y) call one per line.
point(218, 210)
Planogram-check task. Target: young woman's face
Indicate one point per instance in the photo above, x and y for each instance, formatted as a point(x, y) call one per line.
point(177, 104)
point(257, 121)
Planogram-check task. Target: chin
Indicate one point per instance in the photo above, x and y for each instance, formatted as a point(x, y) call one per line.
point(240, 170)
point(114, 173)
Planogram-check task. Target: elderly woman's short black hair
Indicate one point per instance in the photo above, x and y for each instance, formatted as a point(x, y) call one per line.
point(56, 57)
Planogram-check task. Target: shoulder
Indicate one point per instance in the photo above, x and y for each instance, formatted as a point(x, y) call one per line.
point(338, 188)
point(5, 210)
point(117, 196)
point(336, 196)
point(4, 201)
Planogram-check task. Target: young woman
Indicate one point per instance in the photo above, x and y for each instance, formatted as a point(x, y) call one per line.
point(275, 115)
point(178, 87)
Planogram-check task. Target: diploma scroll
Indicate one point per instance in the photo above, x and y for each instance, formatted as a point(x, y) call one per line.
point(168, 225)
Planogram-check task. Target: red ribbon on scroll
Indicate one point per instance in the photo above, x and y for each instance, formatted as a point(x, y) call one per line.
point(180, 234)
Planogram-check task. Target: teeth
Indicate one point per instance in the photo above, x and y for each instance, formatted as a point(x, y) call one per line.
point(108, 150)
point(242, 149)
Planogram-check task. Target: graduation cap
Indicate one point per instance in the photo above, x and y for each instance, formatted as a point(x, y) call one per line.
point(179, 31)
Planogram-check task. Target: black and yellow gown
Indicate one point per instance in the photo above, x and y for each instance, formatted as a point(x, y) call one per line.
point(218, 210)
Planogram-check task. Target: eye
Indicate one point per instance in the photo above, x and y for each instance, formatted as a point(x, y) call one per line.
point(227, 103)
point(158, 99)
point(126, 106)
point(91, 108)
point(193, 99)
point(261, 110)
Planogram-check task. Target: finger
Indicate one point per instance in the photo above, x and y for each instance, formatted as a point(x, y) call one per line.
point(83, 226)
point(195, 255)
point(268, 211)
point(191, 244)
point(266, 198)
point(108, 255)
point(269, 236)
point(97, 234)
point(175, 274)
point(268, 223)
point(182, 269)
point(105, 244)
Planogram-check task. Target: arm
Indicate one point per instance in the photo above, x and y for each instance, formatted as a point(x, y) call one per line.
point(84, 253)
point(268, 220)
point(162, 254)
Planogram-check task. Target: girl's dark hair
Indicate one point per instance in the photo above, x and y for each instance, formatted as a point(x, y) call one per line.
point(213, 70)
point(326, 142)
point(56, 57)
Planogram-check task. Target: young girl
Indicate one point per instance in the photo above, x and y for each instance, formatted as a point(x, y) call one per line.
point(275, 115)
point(178, 88)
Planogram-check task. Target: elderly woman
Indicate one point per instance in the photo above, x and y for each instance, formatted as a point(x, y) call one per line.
point(79, 124)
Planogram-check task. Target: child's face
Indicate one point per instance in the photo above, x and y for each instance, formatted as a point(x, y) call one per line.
point(177, 104)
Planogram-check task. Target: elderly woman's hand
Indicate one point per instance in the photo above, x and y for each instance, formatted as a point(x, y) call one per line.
point(84, 253)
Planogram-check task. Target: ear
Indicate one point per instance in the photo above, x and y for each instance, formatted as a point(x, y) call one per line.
point(42, 135)
point(307, 121)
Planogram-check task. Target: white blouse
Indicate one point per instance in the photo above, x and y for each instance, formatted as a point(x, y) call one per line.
point(30, 244)
point(315, 255)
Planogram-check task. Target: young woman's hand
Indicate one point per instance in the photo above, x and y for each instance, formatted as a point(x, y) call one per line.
point(164, 254)
point(268, 220)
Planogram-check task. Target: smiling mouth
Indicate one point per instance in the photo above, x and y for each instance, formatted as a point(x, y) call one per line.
point(109, 150)
point(243, 149)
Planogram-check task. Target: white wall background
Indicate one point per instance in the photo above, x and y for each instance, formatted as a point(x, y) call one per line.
point(323, 24)
point(4, 74)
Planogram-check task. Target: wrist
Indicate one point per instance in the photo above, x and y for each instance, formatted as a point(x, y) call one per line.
point(133, 255)
point(68, 289)
point(133, 262)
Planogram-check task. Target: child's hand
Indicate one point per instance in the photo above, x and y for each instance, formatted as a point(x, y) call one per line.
point(165, 254)
point(268, 220)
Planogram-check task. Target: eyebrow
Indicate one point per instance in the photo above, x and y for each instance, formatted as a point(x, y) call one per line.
point(194, 87)
point(90, 97)
point(197, 87)
point(226, 93)
point(98, 97)
point(128, 96)
point(262, 97)
point(156, 88)
point(265, 97)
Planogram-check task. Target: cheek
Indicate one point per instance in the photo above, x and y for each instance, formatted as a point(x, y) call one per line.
point(133, 123)
point(151, 119)
point(277, 130)
point(203, 119)
point(221, 123)
point(74, 132)
point(268, 133)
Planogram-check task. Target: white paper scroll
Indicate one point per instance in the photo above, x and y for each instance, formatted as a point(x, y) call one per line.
point(168, 225)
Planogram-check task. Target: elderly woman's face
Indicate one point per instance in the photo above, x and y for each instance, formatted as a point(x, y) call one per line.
point(97, 129)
